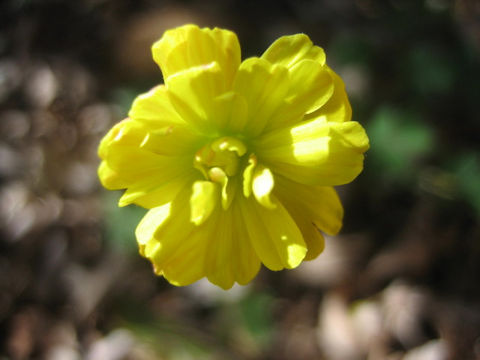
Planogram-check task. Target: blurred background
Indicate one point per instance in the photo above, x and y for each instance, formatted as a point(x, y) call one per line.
point(401, 281)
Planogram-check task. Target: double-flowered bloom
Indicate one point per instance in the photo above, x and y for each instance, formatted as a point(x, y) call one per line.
point(235, 160)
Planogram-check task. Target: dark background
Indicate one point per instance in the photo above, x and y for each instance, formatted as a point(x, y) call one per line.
point(401, 281)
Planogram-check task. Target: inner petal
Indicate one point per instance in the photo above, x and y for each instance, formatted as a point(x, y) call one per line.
point(220, 162)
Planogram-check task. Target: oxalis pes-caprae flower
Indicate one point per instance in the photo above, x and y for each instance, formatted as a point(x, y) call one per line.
point(236, 160)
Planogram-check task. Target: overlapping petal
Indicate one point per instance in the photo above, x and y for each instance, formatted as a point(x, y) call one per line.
point(264, 88)
point(231, 257)
point(189, 46)
point(338, 107)
point(274, 235)
point(289, 50)
point(151, 178)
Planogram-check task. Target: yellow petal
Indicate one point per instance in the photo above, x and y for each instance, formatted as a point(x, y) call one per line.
point(274, 235)
point(203, 201)
point(189, 46)
point(288, 50)
point(315, 152)
point(311, 235)
point(109, 178)
point(230, 112)
point(313, 238)
point(150, 222)
point(135, 164)
point(126, 132)
point(245, 262)
point(337, 107)
point(175, 246)
point(150, 193)
point(230, 258)
point(155, 109)
point(311, 87)
point(264, 87)
point(319, 205)
point(192, 93)
point(172, 140)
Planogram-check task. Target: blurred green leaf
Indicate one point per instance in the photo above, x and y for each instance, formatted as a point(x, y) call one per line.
point(467, 172)
point(350, 49)
point(398, 140)
point(120, 222)
point(431, 71)
point(256, 312)
point(123, 97)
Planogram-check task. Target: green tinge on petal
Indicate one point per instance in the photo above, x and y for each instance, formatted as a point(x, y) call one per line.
point(288, 50)
point(274, 235)
point(203, 201)
point(264, 88)
point(192, 93)
point(230, 112)
point(262, 186)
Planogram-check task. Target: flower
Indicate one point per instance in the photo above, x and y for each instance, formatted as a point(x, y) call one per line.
point(235, 160)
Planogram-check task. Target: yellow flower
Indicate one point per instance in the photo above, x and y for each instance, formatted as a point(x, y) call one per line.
point(235, 160)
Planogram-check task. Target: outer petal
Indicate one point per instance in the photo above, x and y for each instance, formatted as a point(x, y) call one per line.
point(189, 46)
point(313, 237)
point(338, 107)
point(311, 87)
point(230, 257)
point(288, 50)
point(274, 235)
point(264, 88)
point(150, 193)
point(313, 208)
point(151, 178)
point(174, 245)
point(319, 205)
point(109, 178)
point(315, 152)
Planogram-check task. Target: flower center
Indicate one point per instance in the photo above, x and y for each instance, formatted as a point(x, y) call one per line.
point(220, 158)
